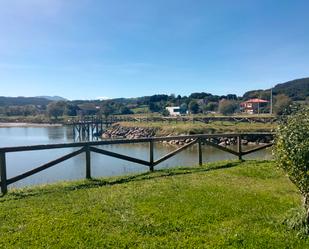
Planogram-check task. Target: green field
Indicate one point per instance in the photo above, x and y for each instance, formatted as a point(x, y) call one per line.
point(219, 205)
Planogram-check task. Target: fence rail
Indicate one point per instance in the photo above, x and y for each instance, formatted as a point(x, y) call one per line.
point(145, 118)
point(88, 147)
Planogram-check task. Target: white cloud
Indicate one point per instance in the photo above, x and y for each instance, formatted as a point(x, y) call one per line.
point(102, 98)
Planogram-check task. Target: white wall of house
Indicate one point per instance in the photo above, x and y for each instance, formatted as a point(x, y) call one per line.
point(173, 110)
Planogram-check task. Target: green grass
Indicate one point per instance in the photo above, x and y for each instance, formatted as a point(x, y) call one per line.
point(141, 110)
point(165, 128)
point(219, 205)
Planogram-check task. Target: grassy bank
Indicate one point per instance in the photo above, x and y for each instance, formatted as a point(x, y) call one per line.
point(201, 128)
point(219, 205)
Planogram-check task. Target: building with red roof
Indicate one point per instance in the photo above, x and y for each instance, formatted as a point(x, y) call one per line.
point(252, 106)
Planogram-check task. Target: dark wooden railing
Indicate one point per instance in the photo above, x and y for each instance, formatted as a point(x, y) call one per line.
point(88, 147)
point(148, 118)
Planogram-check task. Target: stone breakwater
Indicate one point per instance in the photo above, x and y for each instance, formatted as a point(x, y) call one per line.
point(246, 140)
point(227, 141)
point(117, 131)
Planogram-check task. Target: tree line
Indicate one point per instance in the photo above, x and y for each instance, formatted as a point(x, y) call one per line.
point(195, 103)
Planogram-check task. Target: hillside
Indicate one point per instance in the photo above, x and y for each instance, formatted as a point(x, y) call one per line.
point(21, 101)
point(296, 89)
point(52, 98)
point(219, 205)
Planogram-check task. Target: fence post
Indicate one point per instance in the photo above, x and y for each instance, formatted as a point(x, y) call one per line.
point(88, 163)
point(239, 147)
point(200, 154)
point(151, 155)
point(4, 188)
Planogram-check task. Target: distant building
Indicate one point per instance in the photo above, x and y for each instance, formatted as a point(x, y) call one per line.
point(252, 106)
point(174, 110)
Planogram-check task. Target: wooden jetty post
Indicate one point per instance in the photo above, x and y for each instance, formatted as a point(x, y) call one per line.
point(3, 178)
point(200, 152)
point(239, 147)
point(85, 129)
point(88, 162)
point(151, 160)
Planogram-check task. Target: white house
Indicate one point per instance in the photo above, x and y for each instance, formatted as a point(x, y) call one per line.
point(173, 110)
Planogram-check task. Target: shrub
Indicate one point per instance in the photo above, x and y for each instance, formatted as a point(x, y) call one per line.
point(282, 102)
point(165, 113)
point(227, 107)
point(193, 107)
point(291, 151)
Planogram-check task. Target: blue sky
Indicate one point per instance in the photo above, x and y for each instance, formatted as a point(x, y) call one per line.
point(84, 49)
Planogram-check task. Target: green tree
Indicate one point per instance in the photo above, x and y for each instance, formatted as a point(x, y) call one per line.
point(193, 107)
point(210, 107)
point(107, 110)
point(154, 107)
point(183, 108)
point(178, 100)
point(165, 113)
point(282, 102)
point(71, 109)
point(56, 109)
point(227, 107)
point(125, 110)
point(291, 151)
point(29, 110)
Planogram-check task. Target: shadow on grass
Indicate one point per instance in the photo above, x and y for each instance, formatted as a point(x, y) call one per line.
point(96, 182)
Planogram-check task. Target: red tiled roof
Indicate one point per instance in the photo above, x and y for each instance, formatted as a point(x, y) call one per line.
point(256, 101)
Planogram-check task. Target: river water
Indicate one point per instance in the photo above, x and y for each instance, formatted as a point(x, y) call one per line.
point(20, 162)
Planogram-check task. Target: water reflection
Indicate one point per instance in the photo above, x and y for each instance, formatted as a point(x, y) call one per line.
point(57, 133)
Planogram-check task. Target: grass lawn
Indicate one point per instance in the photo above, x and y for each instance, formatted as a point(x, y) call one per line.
point(219, 205)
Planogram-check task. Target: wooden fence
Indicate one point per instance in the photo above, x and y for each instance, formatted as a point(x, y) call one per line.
point(170, 119)
point(88, 147)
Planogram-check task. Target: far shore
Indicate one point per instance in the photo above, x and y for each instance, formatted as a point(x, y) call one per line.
point(16, 124)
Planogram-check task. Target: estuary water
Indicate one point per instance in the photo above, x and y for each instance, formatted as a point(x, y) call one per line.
point(101, 166)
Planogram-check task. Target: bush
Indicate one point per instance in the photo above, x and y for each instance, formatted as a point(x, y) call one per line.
point(56, 109)
point(125, 110)
point(227, 107)
point(282, 102)
point(165, 113)
point(193, 107)
point(291, 151)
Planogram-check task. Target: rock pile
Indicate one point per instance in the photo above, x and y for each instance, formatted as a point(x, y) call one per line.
point(118, 131)
point(178, 142)
point(246, 140)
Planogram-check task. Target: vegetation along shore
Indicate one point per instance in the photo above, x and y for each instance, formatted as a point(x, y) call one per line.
point(18, 124)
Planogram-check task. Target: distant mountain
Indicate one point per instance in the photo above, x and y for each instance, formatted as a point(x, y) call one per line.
point(21, 101)
point(296, 89)
point(52, 98)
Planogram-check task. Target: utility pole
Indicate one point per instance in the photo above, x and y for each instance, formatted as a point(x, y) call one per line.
point(271, 101)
